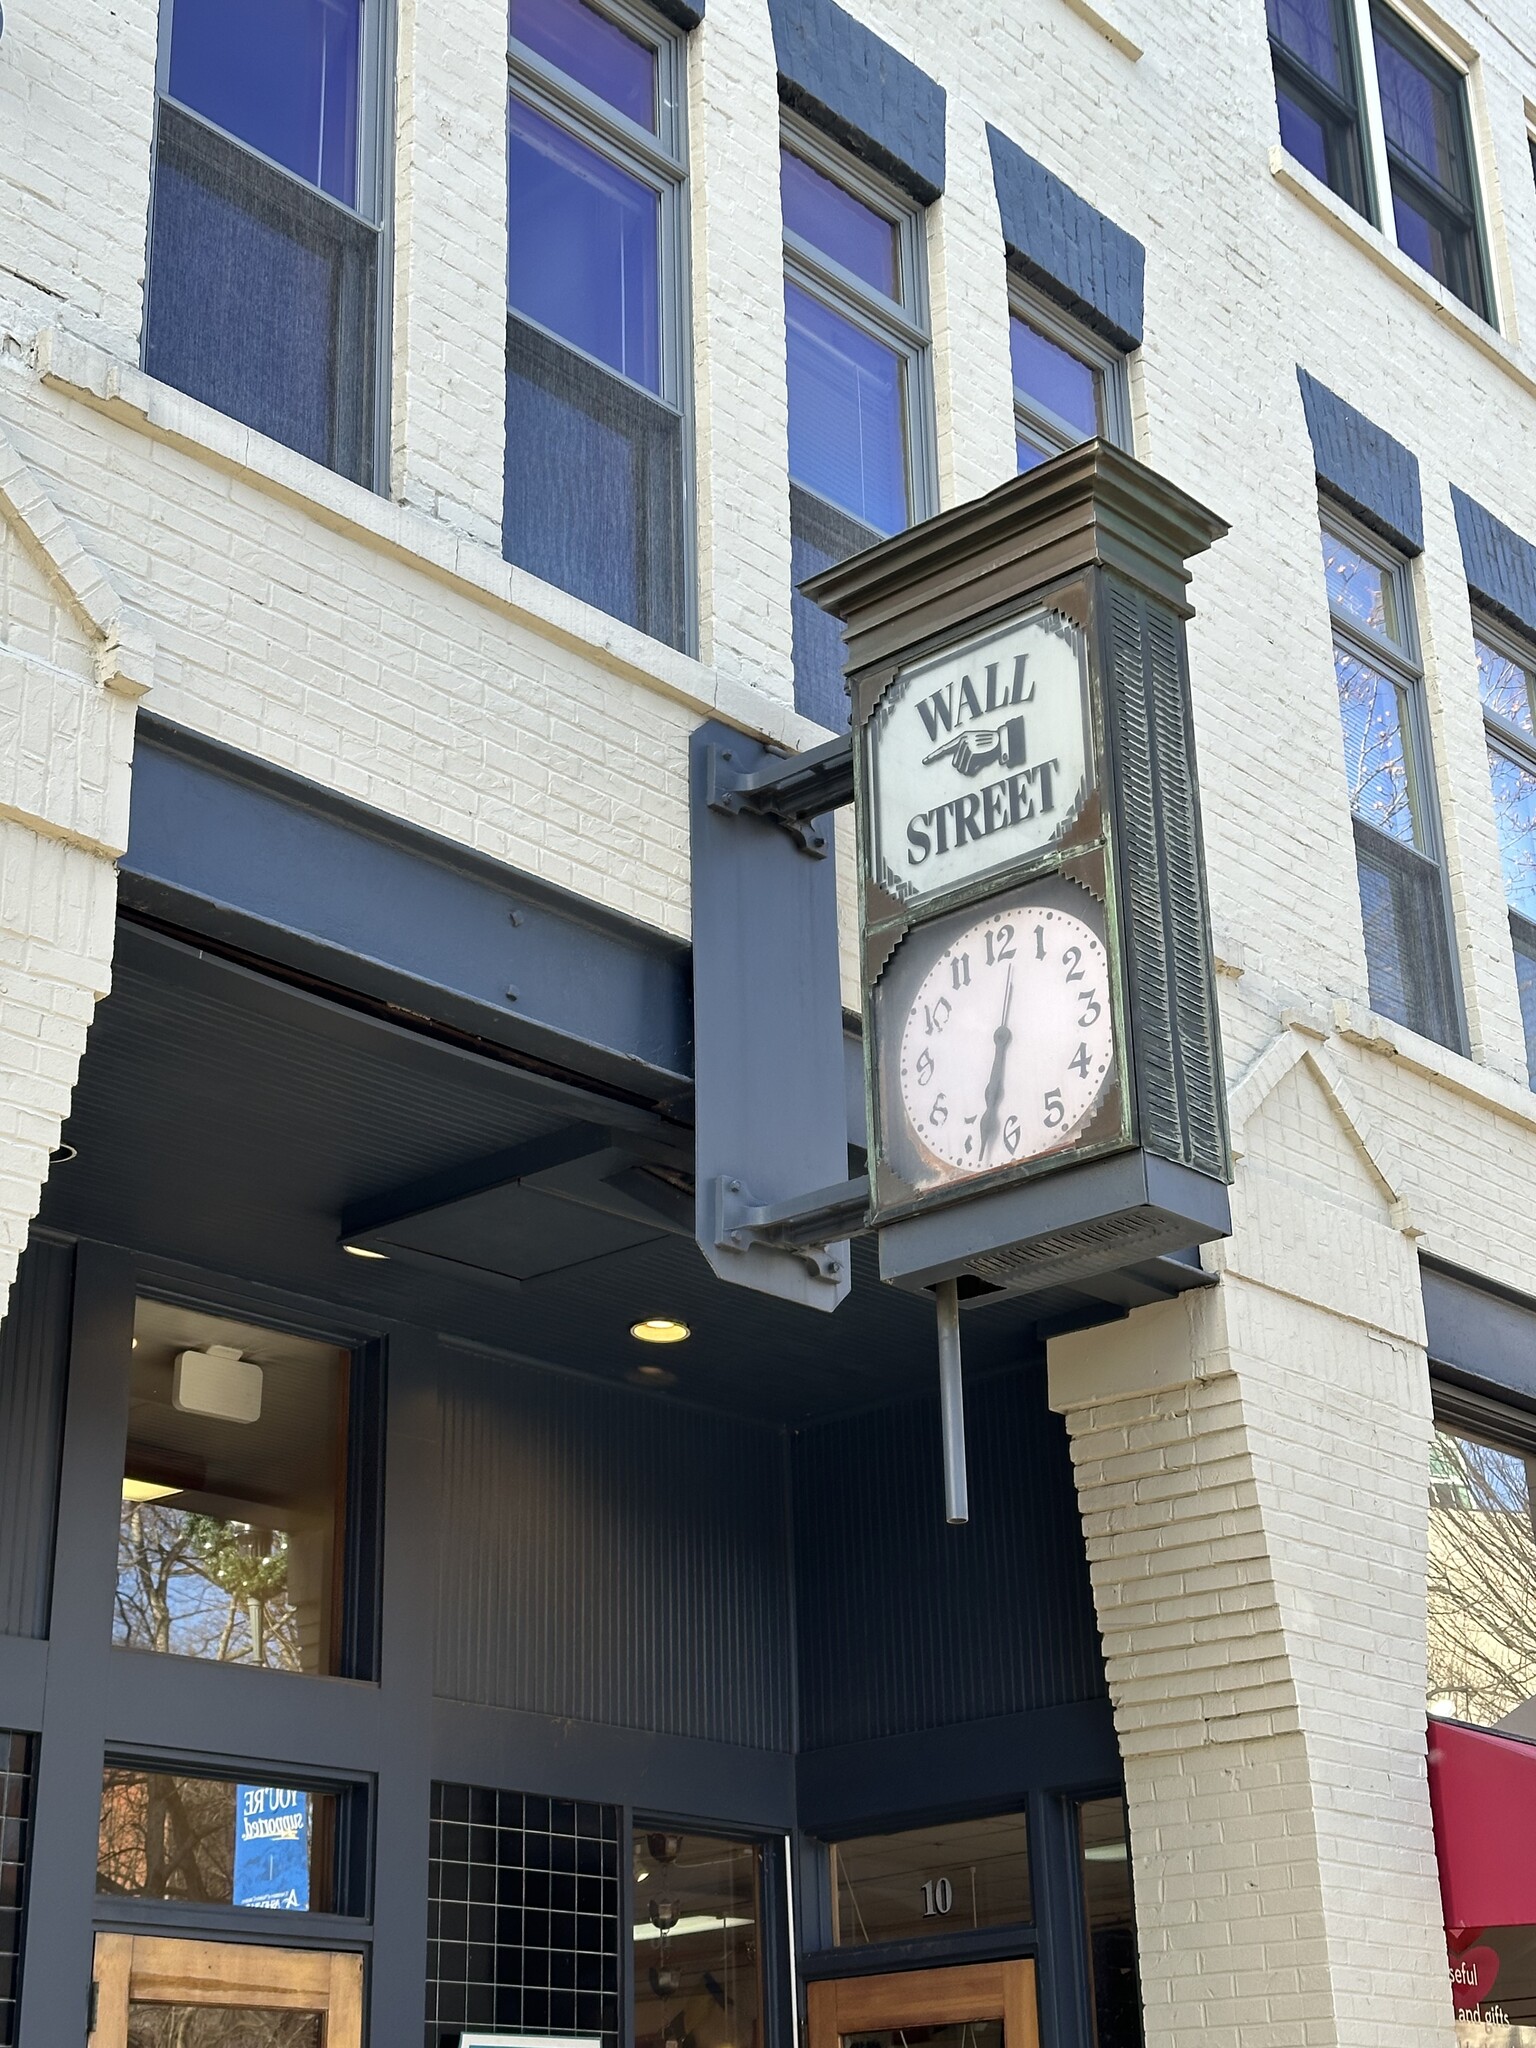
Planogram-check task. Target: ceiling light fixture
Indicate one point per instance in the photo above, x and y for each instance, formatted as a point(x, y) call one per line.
point(660, 1330)
point(363, 1251)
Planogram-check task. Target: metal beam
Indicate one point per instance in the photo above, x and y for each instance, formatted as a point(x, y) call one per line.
point(228, 848)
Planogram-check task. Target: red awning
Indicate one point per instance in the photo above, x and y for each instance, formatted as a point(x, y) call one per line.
point(1482, 1790)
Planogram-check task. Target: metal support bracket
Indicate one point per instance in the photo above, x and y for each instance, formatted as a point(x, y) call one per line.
point(792, 791)
point(816, 1226)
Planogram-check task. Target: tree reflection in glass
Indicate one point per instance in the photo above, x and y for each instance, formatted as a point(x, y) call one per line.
point(1482, 1583)
point(1375, 758)
point(227, 1541)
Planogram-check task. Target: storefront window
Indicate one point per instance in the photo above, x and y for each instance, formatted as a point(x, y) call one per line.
point(234, 1482)
point(523, 1915)
point(1104, 1838)
point(935, 1880)
point(697, 1945)
point(217, 1841)
point(1493, 1986)
point(1482, 1581)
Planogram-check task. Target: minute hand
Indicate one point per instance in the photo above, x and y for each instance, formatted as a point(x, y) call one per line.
point(1002, 1038)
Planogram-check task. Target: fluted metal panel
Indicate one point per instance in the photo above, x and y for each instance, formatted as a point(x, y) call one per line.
point(1179, 1094)
point(905, 1623)
point(34, 1360)
point(611, 1557)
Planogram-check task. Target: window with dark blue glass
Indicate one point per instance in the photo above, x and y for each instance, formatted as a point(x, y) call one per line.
point(1067, 385)
point(856, 346)
point(596, 496)
point(1317, 88)
point(1429, 159)
point(263, 295)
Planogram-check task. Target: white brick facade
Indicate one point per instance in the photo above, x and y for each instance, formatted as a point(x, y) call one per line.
point(1252, 1467)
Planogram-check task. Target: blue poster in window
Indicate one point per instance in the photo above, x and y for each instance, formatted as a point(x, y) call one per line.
point(272, 1847)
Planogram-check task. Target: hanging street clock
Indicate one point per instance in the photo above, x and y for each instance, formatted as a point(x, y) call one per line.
point(1042, 1056)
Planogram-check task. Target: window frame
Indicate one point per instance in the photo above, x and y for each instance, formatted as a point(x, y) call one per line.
point(659, 161)
point(1111, 374)
point(902, 324)
point(347, 1918)
point(1402, 662)
point(1380, 162)
point(1408, 33)
point(359, 1539)
point(373, 210)
point(1304, 85)
point(1519, 747)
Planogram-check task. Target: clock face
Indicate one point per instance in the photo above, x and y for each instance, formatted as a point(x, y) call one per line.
point(1009, 1042)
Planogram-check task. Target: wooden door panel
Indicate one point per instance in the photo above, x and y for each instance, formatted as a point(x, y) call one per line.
point(165, 1970)
point(927, 1998)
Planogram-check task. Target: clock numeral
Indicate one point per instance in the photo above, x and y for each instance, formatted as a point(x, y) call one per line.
point(960, 971)
point(1079, 1060)
point(925, 1066)
point(1092, 1010)
point(1055, 1111)
point(936, 1015)
point(1039, 941)
point(939, 1113)
point(1075, 955)
point(1004, 948)
point(1011, 1135)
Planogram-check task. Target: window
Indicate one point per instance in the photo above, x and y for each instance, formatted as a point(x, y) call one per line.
point(596, 497)
point(1105, 1848)
point(1506, 676)
point(235, 1488)
point(934, 1880)
point(1482, 1566)
point(1423, 155)
point(265, 275)
point(523, 1915)
point(1066, 387)
point(1391, 791)
point(697, 1941)
point(860, 412)
point(204, 1841)
point(1312, 47)
point(1429, 158)
point(15, 1820)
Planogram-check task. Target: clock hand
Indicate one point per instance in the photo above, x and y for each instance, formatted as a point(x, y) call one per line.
point(1002, 1038)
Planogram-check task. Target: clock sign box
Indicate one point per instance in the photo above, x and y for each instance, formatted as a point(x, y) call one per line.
point(1042, 1050)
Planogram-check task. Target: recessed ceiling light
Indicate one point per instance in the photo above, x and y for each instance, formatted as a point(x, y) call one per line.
point(363, 1251)
point(660, 1330)
point(147, 1489)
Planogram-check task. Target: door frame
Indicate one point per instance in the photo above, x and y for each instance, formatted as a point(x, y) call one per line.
point(927, 1998)
point(173, 1970)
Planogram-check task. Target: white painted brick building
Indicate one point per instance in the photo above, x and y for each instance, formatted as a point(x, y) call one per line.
point(1252, 1461)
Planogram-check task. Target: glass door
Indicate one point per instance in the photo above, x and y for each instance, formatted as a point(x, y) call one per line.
point(152, 1992)
point(975, 2005)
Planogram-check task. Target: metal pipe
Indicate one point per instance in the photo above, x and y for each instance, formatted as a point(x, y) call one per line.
point(952, 1403)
